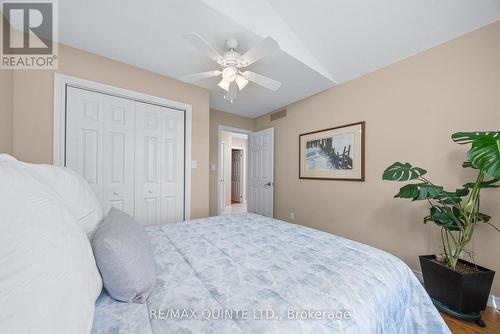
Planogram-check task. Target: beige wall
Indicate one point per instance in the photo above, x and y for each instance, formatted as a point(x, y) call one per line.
point(6, 107)
point(33, 109)
point(240, 142)
point(221, 118)
point(411, 108)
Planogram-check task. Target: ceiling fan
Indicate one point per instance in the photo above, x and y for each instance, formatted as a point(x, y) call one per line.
point(232, 63)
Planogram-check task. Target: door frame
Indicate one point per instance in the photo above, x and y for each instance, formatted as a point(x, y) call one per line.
point(219, 174)
point(221, 185)
point(62, 81)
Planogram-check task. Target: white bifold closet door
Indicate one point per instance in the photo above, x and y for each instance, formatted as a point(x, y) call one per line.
point(131, 153)
point(159, 167)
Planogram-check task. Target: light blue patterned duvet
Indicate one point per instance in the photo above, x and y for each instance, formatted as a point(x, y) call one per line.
point(246, 273)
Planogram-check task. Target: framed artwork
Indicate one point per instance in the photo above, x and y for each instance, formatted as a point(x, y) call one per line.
point(333, 154)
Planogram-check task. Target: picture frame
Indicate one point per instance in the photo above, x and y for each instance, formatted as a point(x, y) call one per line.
point(336, 153)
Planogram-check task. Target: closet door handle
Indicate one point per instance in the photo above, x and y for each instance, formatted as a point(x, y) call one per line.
point(116, 193)
point(150, 191)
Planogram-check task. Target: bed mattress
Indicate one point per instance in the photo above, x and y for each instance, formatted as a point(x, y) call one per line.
point(246, 273)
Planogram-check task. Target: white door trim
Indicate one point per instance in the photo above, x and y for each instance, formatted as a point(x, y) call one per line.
point(219, 175)
point(221, 185)
point(61, 81)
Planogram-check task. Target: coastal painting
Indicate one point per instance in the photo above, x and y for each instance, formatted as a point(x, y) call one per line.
point(330, 153)
point(335, 153)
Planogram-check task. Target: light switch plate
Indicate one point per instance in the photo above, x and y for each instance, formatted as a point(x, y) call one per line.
point(194, 164)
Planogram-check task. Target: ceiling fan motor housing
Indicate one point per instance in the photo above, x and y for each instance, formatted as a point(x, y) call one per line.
point(231, 44)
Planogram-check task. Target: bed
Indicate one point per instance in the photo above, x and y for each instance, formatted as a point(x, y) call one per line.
point(245, 273)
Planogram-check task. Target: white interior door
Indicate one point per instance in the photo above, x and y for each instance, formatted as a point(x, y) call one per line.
point(159, 163)
point(100, 145)
point(261, 172)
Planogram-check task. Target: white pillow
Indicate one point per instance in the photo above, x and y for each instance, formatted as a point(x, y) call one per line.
point(48, 277)
point(73, 191)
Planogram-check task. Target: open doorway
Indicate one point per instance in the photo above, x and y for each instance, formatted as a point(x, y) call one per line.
point(233, 172)
point(238, 202)
point(255, 179)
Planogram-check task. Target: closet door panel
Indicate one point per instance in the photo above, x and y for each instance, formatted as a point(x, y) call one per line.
point(84, 131)
point(118, 157)
point(160, 167)
point(147, 163)
point(172, 178)
point(100, 145)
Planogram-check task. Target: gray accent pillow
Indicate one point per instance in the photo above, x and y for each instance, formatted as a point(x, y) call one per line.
point(124, 256)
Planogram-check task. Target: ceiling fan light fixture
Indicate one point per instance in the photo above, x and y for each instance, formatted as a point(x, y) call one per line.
point(241, 81)
point(229, 73)
point(224, 85)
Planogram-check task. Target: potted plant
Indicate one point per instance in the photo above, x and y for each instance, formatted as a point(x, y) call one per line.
point(456, 286)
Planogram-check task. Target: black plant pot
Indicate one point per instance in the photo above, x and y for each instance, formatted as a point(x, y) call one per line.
point(464, 293)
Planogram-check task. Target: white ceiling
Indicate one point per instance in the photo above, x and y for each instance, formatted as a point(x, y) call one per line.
point(322, 42)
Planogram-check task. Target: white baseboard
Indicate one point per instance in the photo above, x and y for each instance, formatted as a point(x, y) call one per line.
point(493, 301)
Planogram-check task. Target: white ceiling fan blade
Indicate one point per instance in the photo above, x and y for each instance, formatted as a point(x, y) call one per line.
point(262, 80)
point(266, 47)
point(200, 76)
point(201, 44)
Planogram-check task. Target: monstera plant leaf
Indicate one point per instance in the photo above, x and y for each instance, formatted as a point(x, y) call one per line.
point(450, 198)
point(485, 151)
point(402, 172)
point(482, 217)
point(484, 184)
point(445, 217)
point(463, 138)
point(467, 164)
point(419, 191)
